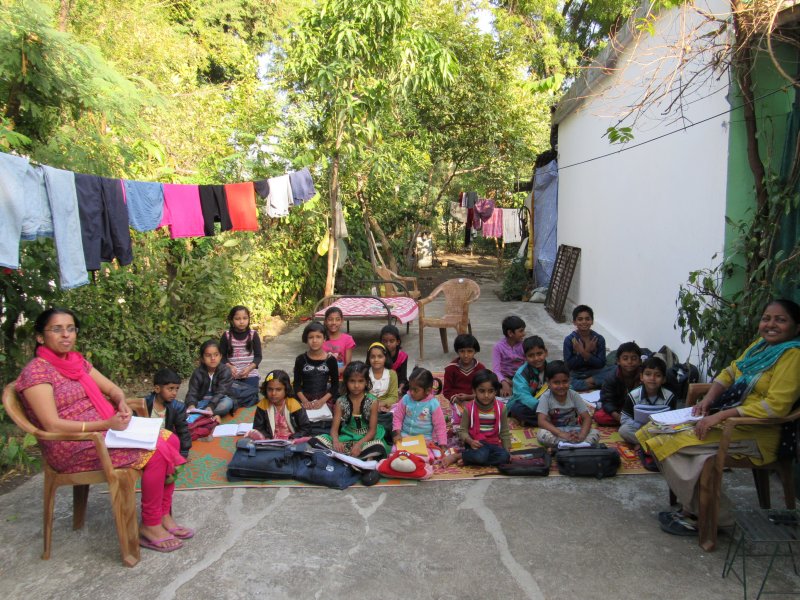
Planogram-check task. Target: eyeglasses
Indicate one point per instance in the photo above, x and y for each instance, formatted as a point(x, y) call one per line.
point(58, 329)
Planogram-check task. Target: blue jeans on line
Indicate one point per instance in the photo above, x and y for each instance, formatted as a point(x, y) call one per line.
point(486, 455)
point(224, 406)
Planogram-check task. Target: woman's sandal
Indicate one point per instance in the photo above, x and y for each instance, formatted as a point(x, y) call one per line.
point(678, 525)
point(181, 532)
point(158, 546)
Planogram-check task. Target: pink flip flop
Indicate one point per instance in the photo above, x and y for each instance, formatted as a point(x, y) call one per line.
point(156, 544)
point(181, 532)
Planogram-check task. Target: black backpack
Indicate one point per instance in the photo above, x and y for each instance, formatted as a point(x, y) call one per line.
point(599, 461)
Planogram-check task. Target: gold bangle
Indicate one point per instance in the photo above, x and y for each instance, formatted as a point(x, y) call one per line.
point(83, 427)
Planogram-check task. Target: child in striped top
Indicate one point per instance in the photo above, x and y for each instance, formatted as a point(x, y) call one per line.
point(484, 424)
point(240, 348)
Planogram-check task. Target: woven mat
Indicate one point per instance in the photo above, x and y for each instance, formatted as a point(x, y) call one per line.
point(209, 458)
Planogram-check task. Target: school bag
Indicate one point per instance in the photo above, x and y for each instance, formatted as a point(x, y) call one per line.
point(261, 461)
point(598, 461)
point(202, 427)
point(320, 467)
point(530, 462)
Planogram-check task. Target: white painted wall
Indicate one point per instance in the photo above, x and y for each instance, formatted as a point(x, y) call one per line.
point(646, 217)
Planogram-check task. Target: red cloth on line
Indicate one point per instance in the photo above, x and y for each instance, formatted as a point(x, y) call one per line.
point(241, 199)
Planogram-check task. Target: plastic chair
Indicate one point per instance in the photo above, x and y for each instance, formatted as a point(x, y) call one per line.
point(711, 476)
point(409, 284)
point(121, 482)
point(458, 295)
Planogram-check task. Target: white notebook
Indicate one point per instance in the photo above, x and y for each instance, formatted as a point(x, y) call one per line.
point(141, 433)
point(319, 414)
point(643, 412)
point(232, 429)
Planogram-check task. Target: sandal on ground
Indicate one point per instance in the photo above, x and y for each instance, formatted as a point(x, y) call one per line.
point(158, 546)
point(679, 525)
point(667, 516)
point(181, 532)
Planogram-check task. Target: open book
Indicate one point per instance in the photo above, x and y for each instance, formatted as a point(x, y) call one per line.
point(141, 433)
point(674, 417)
point(565, 444)
point(232, 429)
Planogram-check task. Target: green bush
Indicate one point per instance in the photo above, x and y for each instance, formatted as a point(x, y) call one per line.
point(515, 282)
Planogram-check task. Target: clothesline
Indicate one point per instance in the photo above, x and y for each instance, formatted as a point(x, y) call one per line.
point(89, 217)
point(483, 216)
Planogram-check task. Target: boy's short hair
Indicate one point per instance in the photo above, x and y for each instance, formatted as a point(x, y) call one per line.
point(314, 326)
point(512, 323)
point(531, 342)
point(165, 377)
point(466, 340)
point(629, 347)
point(582, 308)
point(554, 368)
point(654, 362)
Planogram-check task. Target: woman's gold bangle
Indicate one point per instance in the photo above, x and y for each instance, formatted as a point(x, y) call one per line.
point(83, 427)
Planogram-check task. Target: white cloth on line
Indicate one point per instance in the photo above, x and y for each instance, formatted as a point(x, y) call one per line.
point(280, 197)
point(511, 231)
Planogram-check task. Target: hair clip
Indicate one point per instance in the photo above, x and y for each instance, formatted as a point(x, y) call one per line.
point(270, 377)
point(376, 345)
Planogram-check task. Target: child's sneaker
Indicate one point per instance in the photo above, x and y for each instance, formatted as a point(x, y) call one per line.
point(648, 461)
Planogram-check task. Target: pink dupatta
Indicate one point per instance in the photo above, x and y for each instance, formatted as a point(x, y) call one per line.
point(71, 367)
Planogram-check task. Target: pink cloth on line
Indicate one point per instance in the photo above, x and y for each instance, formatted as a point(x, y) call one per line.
point(182, 211)
point(493, 227)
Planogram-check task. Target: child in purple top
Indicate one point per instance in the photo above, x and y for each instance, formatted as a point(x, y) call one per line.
point(507, 354)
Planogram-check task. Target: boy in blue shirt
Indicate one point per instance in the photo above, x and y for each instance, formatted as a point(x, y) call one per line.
point(585, 352)
point(528, 383)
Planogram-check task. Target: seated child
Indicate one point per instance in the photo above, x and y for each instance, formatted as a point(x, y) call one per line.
point(419, 413)
point(210, 384)
point(484, 425)
point(615, 389)
point(651, 392)
point(507, 355)
point(316, 374)
point(161, 404)
point(458, 374)
point(528, 383)
point(384, 385)
point(355, 429)
point(279, 416)
point(585, 352)
point(337, 344)
point(398, 359)
point(563, 414)
point(240, 347)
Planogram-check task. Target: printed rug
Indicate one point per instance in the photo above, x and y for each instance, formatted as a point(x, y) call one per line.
point(209, 458)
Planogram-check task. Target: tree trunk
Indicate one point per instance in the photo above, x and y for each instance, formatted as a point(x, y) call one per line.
point(743, 63)
point(63, 14)
point(330, 278)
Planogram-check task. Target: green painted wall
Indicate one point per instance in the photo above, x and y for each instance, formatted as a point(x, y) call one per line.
point(772, 112)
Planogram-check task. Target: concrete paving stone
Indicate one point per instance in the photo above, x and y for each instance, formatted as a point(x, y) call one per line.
point(554, 538)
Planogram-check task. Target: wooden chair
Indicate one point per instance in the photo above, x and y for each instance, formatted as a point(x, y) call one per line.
point(409, 284)
point(711, 476)
point(458, 295)
point(121, 482)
